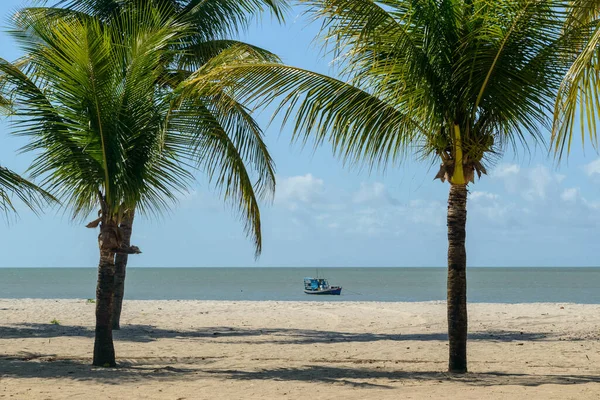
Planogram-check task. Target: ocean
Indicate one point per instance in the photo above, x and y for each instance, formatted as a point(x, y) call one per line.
point(485, 285)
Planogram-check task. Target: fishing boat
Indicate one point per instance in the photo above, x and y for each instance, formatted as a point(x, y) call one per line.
point(320, 286)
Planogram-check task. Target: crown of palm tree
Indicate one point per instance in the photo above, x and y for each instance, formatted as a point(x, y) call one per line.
point(105, 107)
point(415, 71)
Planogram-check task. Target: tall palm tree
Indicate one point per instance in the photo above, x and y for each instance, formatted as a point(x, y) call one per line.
point(457, 82)
point(114, 128)
point(212, 24)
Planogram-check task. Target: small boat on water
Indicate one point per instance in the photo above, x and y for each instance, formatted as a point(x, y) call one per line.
point(320, 286)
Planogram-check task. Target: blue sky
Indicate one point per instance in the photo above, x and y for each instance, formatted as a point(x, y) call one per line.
point(527, 212)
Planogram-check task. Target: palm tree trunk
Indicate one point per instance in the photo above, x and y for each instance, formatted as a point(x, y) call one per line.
point(104, 350)
point(120, 267)
point(457, 278)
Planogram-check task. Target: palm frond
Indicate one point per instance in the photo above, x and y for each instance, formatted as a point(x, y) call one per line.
point(220, 158)
point(218, 135)
point(355, 122)
point(215, 19)
point(196, 55)
point(578, 98)
point(12, 185)
point(582, 12)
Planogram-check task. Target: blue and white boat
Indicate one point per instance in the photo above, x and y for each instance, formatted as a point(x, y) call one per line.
point(320, 286)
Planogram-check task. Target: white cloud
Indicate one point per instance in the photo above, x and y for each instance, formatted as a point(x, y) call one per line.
point(592, 168)
point(570, 195)
point(373, 193)
point(535, 198)
point(305, 189)
point(532, 184)
point(371, 210)
point(478, 196)
point(522, 199)
point(510, 174)
point(593, 205)
point(322, 217)
point(538, 181)
point(424, 212)
point(369, 222)
point(490, 205)
point(505, 170)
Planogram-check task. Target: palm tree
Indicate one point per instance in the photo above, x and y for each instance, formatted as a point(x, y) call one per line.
point(212, 25)
point(456, 82)
point(114, 129)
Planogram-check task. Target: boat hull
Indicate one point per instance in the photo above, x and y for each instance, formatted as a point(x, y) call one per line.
point(330, 291)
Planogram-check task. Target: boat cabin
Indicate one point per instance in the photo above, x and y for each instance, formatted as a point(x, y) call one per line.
point(315, 284)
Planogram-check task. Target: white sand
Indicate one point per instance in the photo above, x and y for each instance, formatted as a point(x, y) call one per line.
point(299, 350)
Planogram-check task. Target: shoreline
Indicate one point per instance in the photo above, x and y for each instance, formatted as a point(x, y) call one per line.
point(308, 302)
point(201, 349)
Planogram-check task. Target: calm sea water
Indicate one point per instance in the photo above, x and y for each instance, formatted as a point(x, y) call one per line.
point(494, 285)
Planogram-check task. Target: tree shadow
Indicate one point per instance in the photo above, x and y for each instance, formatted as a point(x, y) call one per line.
point(146, 370)
point(385, 378)
point(32, 365)
point(148, 333)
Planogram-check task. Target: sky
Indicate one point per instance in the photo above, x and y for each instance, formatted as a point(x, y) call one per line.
point(528, 211)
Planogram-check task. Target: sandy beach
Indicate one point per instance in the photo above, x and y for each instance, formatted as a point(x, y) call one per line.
point(291, 350)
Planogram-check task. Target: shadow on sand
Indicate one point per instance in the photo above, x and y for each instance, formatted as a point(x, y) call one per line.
point(357, 373)
point(147, 333)
point(140, 371)
point(387, 377)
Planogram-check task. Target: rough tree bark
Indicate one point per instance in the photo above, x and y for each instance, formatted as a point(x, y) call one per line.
point(104, 350)
point(457, 279)
point(120, 268)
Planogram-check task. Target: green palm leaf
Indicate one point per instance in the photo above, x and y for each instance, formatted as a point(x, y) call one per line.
point(13, 185)
point(579, 94)
point(211, 19)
